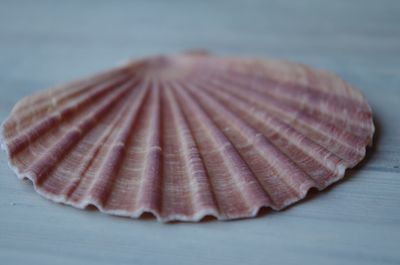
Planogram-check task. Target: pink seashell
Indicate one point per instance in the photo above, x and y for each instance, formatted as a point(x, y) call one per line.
point(189, 135)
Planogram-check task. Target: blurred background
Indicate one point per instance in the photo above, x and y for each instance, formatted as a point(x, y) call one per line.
point(43, 43)
point(50, 41)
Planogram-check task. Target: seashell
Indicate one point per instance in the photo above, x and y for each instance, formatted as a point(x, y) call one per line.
point(189, 135)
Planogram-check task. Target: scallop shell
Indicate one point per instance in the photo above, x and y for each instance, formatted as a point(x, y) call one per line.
point(189, 135)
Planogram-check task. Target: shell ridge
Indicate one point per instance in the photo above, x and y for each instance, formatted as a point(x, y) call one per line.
point(199, 183)
point(259, 102)
point(212, 184)
point(251, 192)
point(41, 167)
point(347, 106)
point(266, 149)
point(212, 190)
point(365, 114)
point(175, 185)
point(296, 89)
point(247, 108)
point(92, 154)
point(313, 81)
point(102, 184)
point(62, 93)
point(150, 186)
point(306, 119)
point(340, 171)
point(286, 130)
point(273, 203)
point(76, 86)
point(32, 133)
point(306, 104)
point(265, 74)
point(52, 102)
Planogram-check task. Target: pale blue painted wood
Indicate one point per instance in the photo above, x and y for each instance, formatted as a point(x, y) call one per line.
point(357, 221)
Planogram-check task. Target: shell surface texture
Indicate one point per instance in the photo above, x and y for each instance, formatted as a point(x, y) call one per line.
point(189, 135)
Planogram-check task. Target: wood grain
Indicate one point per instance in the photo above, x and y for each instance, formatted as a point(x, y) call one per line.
point(357, 221)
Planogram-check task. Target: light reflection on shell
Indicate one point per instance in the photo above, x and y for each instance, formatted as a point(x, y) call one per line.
point(189, 135)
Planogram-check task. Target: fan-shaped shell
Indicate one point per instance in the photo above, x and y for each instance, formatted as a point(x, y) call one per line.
point(189, 135)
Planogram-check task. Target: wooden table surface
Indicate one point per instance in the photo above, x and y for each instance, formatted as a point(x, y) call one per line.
point(356, 221)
